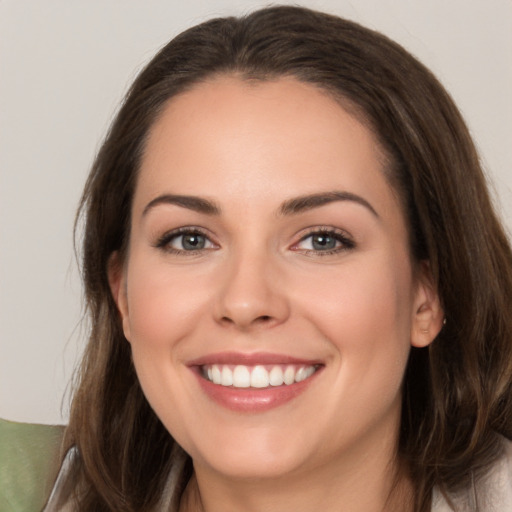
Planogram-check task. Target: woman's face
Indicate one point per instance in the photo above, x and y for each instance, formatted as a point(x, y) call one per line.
point(268, 293)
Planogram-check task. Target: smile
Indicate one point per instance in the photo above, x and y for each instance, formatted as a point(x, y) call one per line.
point(258, 376)
point(254, 383)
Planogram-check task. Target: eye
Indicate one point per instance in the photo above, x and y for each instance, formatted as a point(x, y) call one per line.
point(185, 240)
point(324, 241)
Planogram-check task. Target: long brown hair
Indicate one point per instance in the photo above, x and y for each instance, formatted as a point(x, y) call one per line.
point(457, 392)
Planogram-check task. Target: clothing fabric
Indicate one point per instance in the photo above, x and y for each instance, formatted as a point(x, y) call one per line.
point(491, 493)
point(54, 501)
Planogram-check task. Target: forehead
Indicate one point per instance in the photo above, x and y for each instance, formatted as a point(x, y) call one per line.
point(250, 147)
point(283, 122)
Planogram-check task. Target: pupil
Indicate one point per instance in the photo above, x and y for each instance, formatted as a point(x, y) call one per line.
point(193, 242)
point(323, 242)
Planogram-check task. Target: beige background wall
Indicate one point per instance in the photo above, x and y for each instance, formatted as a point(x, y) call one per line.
point(64, 67)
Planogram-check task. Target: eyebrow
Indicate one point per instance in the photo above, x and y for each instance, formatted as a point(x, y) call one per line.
point(289, 207)
point(308, 202)
point(195, 203)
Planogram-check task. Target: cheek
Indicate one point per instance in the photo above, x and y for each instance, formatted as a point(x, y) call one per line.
point(365, 314)
point(161, 306)
point(360, 299)
point(365, 317)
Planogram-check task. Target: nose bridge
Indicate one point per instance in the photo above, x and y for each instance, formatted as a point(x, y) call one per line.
point(250, 293)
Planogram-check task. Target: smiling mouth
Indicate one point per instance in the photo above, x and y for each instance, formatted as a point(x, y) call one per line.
point(254, 383)
point(257, 376)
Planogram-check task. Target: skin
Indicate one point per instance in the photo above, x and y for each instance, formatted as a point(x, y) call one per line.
point(259, 285)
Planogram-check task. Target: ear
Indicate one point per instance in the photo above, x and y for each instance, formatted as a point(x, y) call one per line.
point(117, 283)
point(428, 314)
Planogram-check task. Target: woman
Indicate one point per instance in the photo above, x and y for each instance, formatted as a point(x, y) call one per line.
point(300, 295)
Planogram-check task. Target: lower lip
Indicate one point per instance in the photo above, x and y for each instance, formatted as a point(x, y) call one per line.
point(252, 399)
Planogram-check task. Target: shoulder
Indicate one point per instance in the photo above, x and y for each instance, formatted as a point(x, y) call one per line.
point(492, 492)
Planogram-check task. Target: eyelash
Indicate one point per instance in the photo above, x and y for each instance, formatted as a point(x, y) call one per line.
point(165, 240)
point(346, 243)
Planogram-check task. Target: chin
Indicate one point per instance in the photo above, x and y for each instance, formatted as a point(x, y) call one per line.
point(255, 466)
point(255, 455)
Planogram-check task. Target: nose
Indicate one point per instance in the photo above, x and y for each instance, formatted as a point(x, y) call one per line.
point(252, 294)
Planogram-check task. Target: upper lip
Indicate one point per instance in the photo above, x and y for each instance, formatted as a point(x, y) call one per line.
point(252, 359)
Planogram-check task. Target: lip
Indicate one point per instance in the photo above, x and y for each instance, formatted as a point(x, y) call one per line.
point(251, 400)
point(251, 359)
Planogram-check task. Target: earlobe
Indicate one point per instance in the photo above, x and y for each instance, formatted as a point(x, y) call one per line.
point(116, 281)
point(428, 314)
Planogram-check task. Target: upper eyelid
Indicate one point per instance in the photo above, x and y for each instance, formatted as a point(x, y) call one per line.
point(301, 235)
point(167, 236)
point(304, 233)
point(340, 234)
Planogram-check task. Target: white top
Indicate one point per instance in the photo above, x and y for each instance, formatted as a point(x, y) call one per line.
point(492, 493)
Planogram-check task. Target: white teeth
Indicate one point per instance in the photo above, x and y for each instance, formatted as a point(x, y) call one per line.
point(309, 371)
point(257, 376)
point(300, 375)
point(226, 376)
point(289, 375)
point(276, 376)
point(304, 373)
point(216, 375)
point(241, 377)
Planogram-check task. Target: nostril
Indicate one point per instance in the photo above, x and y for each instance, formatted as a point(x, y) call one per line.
point(259, 319)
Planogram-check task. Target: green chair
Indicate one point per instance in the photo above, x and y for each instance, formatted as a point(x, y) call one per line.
point(29, 463)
